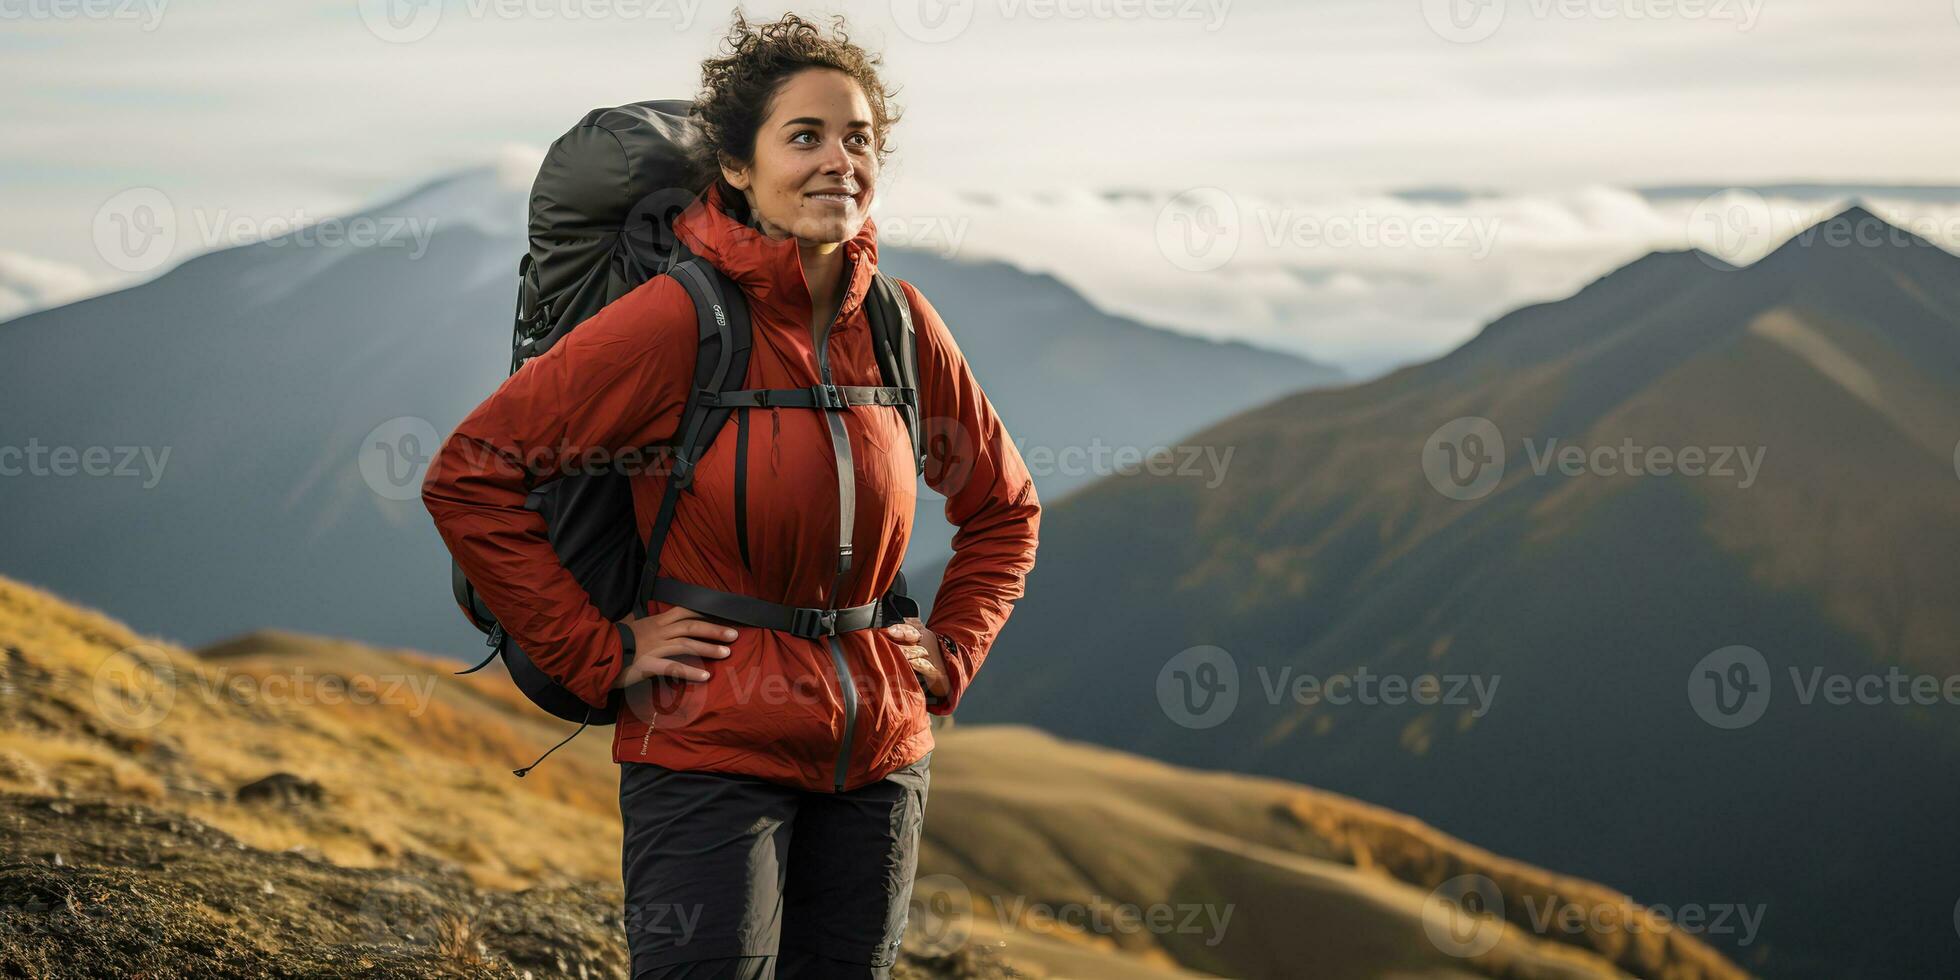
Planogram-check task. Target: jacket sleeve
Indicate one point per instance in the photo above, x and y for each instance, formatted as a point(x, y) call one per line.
point(617, 382)
point(990, 498)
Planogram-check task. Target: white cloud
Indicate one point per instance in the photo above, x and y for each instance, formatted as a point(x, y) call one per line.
point(28, 284)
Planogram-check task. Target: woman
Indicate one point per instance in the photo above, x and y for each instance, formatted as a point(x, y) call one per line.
point(772, 785)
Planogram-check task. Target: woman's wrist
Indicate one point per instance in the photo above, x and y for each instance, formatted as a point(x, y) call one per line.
point(949, 648)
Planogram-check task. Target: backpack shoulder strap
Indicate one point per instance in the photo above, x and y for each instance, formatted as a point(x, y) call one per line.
point(898, 352)
point(898, 362)
point(721, 363)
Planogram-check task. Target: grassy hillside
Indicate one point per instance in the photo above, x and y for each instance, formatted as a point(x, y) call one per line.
point(300, 806)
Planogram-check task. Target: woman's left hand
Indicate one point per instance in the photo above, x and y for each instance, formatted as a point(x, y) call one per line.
point(922, 649)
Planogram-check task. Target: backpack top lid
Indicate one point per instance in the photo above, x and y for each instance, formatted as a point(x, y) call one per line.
point(603, 205)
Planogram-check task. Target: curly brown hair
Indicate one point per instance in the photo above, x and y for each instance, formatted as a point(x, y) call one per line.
point(738, 87)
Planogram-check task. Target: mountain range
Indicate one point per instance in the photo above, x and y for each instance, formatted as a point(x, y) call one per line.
point(1677, 552)
point(259, 416)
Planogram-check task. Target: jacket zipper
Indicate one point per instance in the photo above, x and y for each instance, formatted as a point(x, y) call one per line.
point(847, 690)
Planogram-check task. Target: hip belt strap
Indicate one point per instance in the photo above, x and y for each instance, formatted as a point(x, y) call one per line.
point(803, 621)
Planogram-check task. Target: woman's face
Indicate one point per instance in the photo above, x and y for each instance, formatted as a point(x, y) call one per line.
point(815, 163)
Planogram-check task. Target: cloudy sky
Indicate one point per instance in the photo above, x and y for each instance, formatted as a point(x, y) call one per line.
point(1115, 143)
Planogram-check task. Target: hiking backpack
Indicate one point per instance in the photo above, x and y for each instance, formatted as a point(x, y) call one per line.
point(601, 224)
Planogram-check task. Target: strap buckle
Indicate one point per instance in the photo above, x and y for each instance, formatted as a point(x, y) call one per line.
point(812, 623)
point(682, 474)
point(827, 396)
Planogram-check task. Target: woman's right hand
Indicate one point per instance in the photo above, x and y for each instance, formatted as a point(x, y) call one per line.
point(664, 641)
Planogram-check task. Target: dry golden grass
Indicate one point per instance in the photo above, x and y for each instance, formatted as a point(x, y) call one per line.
point(423, 767)
point(419, 766)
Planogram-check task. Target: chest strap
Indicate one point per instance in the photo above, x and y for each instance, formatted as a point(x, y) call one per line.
point(815, 396)
point(803, 621)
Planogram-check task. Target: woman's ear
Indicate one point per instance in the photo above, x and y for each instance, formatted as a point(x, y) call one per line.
point(737, 178)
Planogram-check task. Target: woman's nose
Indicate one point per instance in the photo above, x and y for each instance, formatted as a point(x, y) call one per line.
point(836, 160)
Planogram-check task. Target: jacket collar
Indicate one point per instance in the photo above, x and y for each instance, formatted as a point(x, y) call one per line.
point(770, 272)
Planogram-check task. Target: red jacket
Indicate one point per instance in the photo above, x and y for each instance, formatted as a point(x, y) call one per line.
point(775, 707)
